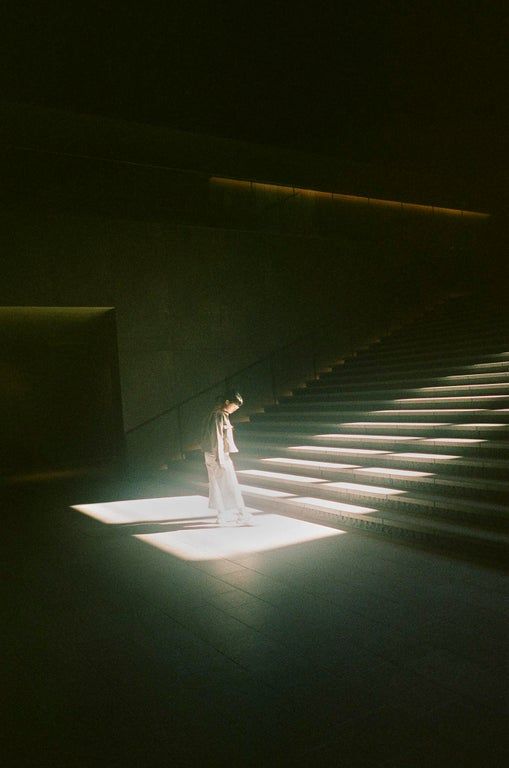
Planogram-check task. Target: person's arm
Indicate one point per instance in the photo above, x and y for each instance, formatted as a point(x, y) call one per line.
point(220, 453)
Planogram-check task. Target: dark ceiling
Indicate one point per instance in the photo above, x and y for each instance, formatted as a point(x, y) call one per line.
point(419, 84)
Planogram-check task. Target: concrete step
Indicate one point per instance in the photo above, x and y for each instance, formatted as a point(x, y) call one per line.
point(422, 429)
point(462, 329)
point(471, 317)
point(466, 446)
point(436, 351)
point(408, 438)
point(347, 371)
point(348, 401)
point(394, 524)
point(324, 383)
point(338, 392)
point(420, 415)
point(492, 491)
point(462, 337)
point(427, 461)
point(384, 497)
point(492, 342)
point(426, 361)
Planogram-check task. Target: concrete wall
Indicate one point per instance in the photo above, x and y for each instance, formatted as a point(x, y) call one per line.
point(202, 292)
point(59, 391)
point(194, 304)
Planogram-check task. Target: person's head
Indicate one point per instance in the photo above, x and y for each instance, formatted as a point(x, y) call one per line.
point(231, 402)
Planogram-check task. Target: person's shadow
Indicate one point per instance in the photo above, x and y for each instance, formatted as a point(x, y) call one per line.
point(166, 526)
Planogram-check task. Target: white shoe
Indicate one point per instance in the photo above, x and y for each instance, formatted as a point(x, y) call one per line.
point(225, 522)
point(245, 518)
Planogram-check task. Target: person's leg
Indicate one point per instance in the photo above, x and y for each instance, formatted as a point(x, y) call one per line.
point(242, 515)
point(216, 501)
point(223, 497)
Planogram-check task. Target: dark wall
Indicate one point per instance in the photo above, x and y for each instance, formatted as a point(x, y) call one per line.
point(196, 304)
point(59, 387)
point(202, 290)
point(58, 131)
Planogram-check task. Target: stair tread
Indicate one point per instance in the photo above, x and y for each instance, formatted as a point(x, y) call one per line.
point(409, 435)
point(417, 427)
point(392, 518)
point(411, 414)
point(399, 476)
point(403, 456)
point(410, 383)
point(347, 397)
point(329, 390)
point(400, 439)
point(380, 492)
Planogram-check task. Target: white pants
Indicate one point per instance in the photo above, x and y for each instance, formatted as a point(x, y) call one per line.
point(224, 490)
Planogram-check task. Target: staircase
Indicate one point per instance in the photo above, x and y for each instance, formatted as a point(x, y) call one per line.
point(407, 438)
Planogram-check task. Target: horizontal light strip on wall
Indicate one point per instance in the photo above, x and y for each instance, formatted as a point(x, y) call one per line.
point(359, 200)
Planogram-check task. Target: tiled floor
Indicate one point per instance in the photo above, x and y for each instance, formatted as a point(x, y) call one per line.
point(300, 646)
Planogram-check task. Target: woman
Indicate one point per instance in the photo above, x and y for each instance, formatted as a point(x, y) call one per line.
point(217, 444)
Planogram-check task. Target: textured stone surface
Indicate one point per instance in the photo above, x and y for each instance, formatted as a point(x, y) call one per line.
point(338, 650)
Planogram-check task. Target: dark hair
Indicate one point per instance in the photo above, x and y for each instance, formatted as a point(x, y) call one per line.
point(232, 396)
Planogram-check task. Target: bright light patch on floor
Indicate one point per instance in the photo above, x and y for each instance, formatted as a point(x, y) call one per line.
point(480, 424)
point(167, 509)
point(396, 472)
point(197, 537)
point(331, 506)
point(327, 449)
point(359, 488)
point(279, 476)
point(270, 532)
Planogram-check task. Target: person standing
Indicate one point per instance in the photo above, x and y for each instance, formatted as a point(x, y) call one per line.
point(217, 444)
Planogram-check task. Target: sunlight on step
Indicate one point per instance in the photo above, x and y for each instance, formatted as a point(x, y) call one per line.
point(327, 449)
point(264, 492)
point(406, 424)
point(461, 376)
point(279, 476)
point(485, 365)
point(481, 424)
point(455, 440)
point(195, 535)
point(415, 411)
point(390, 438)
point(359, 488)
point(442, 388)
point(396, 472)
point(312, 464)
point(448, 399)
point(495, 354)
point(426, 456)
point(331, 506)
